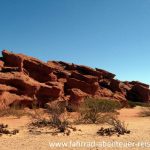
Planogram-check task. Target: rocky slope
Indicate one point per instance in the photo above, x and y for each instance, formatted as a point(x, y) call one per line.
point(28, 81)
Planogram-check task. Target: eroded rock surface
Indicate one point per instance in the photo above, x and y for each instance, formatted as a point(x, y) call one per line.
point(25, 80)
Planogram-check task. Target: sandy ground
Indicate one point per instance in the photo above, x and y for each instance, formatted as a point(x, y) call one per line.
point(85, 139)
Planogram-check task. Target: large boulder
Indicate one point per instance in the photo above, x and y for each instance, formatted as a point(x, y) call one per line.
point(82, 85)
point(55, 65)
point(139, 93)
point(21, 85)
point(139, 83)
point(8, 99)
point(24, 84)
point(76, 98)
point(68, 66)
point(87, 78)
point(48, 93)
point(58, 85)
point(118, 86)
point(89, 71)
point(62, 74)
point(104, 92)
point(35, 68)
point(106, 74)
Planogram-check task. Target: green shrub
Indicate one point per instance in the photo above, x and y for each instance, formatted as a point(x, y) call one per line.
point(96, 110)
point(101, 105)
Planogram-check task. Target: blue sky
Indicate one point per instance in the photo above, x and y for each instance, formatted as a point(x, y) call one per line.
point(110, 34)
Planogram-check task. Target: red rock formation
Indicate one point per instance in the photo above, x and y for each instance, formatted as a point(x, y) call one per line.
point(26, 80)
point(7, 99)
point(139, 93)
point(55, 65)
point(106, 74)
point(82, 85)
point(76, 98)
point(104, 92)
point(116, 85)
point(87, 78)
point(36, 69)
point(68, 66)
point(89, 71)
point(22, 85)
point(105, 83)
point(139, 83)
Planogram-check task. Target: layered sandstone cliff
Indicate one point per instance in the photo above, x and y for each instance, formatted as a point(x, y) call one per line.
point(26, 81)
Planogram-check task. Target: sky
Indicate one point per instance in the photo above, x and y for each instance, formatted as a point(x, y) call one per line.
point(109, 34)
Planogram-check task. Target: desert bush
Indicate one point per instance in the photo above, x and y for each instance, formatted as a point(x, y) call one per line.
point(41, 123)
point(60, 126)
point(118, 128)
point(4, 130)
point(97, 110)
point(101, 105)
point(56, 121)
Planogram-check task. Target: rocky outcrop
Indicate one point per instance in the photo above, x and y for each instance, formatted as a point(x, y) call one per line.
point(139, 83)
point(82, 85)
point(34, 68)
point(139, 93)
point(18, 84)
point(86, 78)
point(26, 81)
point(116, 85)
point(76, 98)
point(8, 99)
point(106, 74)
point(68, 66)
point(89, 71)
